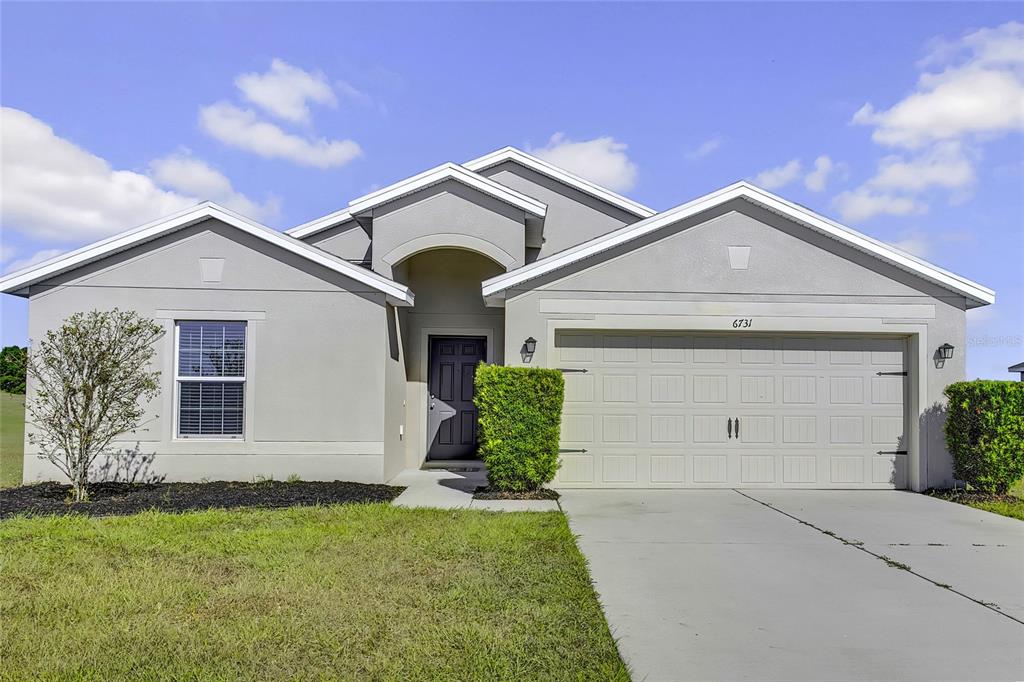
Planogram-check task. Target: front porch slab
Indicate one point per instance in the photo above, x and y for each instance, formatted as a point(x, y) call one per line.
point(453, 489)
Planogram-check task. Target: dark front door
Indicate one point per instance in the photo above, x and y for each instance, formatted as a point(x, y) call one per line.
point(451, 414)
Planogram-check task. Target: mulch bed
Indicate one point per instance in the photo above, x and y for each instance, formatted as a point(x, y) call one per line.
point(486, 493)
point(967, 496)
point(118, 499)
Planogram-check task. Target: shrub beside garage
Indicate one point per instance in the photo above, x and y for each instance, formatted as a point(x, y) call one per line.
point(520, 415)
point(985, 433)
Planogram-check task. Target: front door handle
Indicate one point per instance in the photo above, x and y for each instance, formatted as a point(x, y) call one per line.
point(729, 426)
point(737, 427)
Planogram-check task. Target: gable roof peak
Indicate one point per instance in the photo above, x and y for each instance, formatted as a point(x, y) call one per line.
point(554, 172)
point(437, 175)
point(975, 294)
point(19, 281)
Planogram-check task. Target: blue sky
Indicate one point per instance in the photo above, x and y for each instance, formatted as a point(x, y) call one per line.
point(117, 113)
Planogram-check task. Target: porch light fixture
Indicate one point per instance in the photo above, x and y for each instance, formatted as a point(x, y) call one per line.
point(531, 345)
point(946, 351)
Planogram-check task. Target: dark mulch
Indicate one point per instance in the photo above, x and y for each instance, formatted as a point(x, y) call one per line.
point(485, 493)
point(118, 499)
point(964, 496)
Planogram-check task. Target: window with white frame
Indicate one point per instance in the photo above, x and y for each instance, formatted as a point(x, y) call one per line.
point(210, 378)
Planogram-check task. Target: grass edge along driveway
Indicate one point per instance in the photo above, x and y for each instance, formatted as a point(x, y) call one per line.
point(364, 591)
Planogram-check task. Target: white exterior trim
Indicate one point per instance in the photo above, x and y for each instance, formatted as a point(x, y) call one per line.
point(320, 224)
point(447, 171)
point(544, 168)
point(974, 292)
point(18, 282)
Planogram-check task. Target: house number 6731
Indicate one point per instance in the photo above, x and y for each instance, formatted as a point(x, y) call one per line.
point(741, 322)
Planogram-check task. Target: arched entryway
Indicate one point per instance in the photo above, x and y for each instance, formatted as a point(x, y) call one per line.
point(445, 334)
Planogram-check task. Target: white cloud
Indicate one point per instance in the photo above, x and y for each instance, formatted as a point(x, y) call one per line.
point(241, 128)
point(601, 160)
point(818, 178)
point(285, 91)
point(980, 91)
point(7, 253)
point(943, 165)
point(38, 257)
point(973, 94)
point(189, 175)
point(779, 176)
point(915, 242)
point(862, 204)
point(55, 190)
point(704, 149)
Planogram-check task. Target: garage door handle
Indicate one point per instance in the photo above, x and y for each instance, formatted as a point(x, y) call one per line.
point(737, 427)
point(729, 426)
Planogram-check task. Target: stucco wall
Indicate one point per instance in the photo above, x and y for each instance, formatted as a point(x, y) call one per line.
point(348, 241)
point(573, 217)
point(448, 214)
point(394, 395)
point(796, 281)
point(316, 343)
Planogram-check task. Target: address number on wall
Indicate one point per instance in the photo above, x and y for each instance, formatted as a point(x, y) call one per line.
point(741, 322)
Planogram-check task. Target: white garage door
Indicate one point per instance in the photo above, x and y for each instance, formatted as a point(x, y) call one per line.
point(677, 410)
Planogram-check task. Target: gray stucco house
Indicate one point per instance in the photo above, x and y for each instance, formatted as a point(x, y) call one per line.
point(737, 339)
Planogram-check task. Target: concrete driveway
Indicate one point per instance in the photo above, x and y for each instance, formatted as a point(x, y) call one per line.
point(792, 585)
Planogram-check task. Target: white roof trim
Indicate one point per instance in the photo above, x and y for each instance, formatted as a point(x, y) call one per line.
point(973, 291)
point(320, 224)
point(544, 168)
point(18, 281)
point(447, 171)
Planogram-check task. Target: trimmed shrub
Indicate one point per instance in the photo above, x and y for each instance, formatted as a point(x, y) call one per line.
point(520, 413)
point(985, 433)
point(13, 361)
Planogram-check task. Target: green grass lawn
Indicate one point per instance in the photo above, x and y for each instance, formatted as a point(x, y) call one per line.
point(12, 438)
point(345, 592)
point(1011, 504)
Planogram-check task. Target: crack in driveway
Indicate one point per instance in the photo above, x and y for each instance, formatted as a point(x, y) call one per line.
point(856, 544)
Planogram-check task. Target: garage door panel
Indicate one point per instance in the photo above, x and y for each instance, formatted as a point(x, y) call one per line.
point(655, 410)
point(618, 388)
point(847, 469)
point(710, 388)
point(670, 469)
point(710, 428)
point(757, 389)
point(579, 388)
point(710, 469)
point(671, 349)
point(619, 428)
point(668, 428)
point(758, 429)
point(668, 388)
point(757, 469)
point(799, 469)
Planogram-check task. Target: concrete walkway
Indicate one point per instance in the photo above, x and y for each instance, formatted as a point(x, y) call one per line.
point(717, 584)
point(453, 488)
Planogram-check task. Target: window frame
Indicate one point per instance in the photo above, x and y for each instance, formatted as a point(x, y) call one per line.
point(179, 380)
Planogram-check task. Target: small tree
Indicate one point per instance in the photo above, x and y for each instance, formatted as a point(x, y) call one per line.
point(12, 369)
point(91, 380)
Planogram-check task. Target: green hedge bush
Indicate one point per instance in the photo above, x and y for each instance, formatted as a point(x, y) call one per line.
point(13, 363)
point(520, 413)
point(985, 433)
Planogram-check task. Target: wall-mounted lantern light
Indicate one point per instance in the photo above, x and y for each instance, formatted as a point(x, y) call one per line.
point(531, 345)
point(946, 351)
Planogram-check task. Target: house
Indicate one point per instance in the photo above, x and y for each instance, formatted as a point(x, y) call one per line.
point(1017, 369)
point(738, 339)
